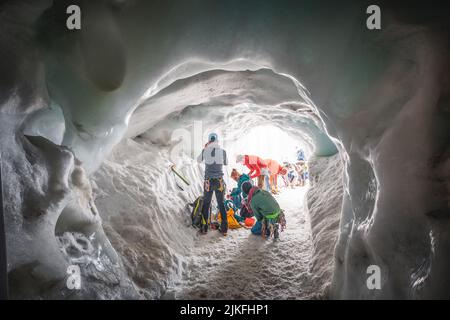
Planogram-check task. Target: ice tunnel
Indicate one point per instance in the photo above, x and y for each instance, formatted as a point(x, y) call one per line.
point(92, 118)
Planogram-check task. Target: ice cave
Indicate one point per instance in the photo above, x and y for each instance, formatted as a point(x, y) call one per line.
point(92, 119)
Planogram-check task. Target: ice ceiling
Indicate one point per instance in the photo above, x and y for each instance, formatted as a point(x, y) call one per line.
point(257, 97)
point(299, 65)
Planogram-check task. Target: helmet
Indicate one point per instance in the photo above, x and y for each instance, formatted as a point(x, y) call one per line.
point(212, 137)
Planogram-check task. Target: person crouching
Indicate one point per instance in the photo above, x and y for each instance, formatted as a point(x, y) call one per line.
point(267, 211)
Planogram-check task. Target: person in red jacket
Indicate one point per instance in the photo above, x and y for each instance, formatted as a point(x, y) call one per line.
point(275, 169)
point(258, 169)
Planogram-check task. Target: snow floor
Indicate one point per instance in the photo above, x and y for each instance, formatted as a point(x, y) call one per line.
point(244, 266)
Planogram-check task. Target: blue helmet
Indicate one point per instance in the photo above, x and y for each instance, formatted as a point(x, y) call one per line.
point(212, 137)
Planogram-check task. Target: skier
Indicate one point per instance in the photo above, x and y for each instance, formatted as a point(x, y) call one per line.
point(215, 158)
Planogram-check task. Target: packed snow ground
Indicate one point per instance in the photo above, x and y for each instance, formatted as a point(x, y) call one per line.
point(244, 266)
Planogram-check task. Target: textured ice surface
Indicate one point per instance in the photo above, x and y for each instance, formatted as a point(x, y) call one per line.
point(324, 201)
point(383, 95)
point(264, 97)
point(144, 212)
point(58, 224)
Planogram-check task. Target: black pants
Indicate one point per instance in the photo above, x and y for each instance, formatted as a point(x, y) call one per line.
point(218, 187)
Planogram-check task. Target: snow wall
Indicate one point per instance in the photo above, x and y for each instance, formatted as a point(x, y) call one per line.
point(382, 95)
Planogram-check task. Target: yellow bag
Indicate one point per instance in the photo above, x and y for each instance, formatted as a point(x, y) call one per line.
point(232, 222)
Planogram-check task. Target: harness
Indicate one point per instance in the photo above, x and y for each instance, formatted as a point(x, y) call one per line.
point(207, 185)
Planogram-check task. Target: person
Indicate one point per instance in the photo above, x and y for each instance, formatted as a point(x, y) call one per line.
point(300, 155)
point(236, 192)
point(214, 158)
point(275, 169)
point(286, 165)
point(302, 170)
point(301, 167)
point(258, 169)
point(266, 209)
point(305, 172)
point(291, 175)
point(245, 211)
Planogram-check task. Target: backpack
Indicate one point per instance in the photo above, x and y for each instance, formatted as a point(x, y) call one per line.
point(196, 213)
point(231, 220)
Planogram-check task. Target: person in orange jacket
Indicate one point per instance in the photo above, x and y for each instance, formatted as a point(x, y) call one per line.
point(258, 169)
point(275, 169)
